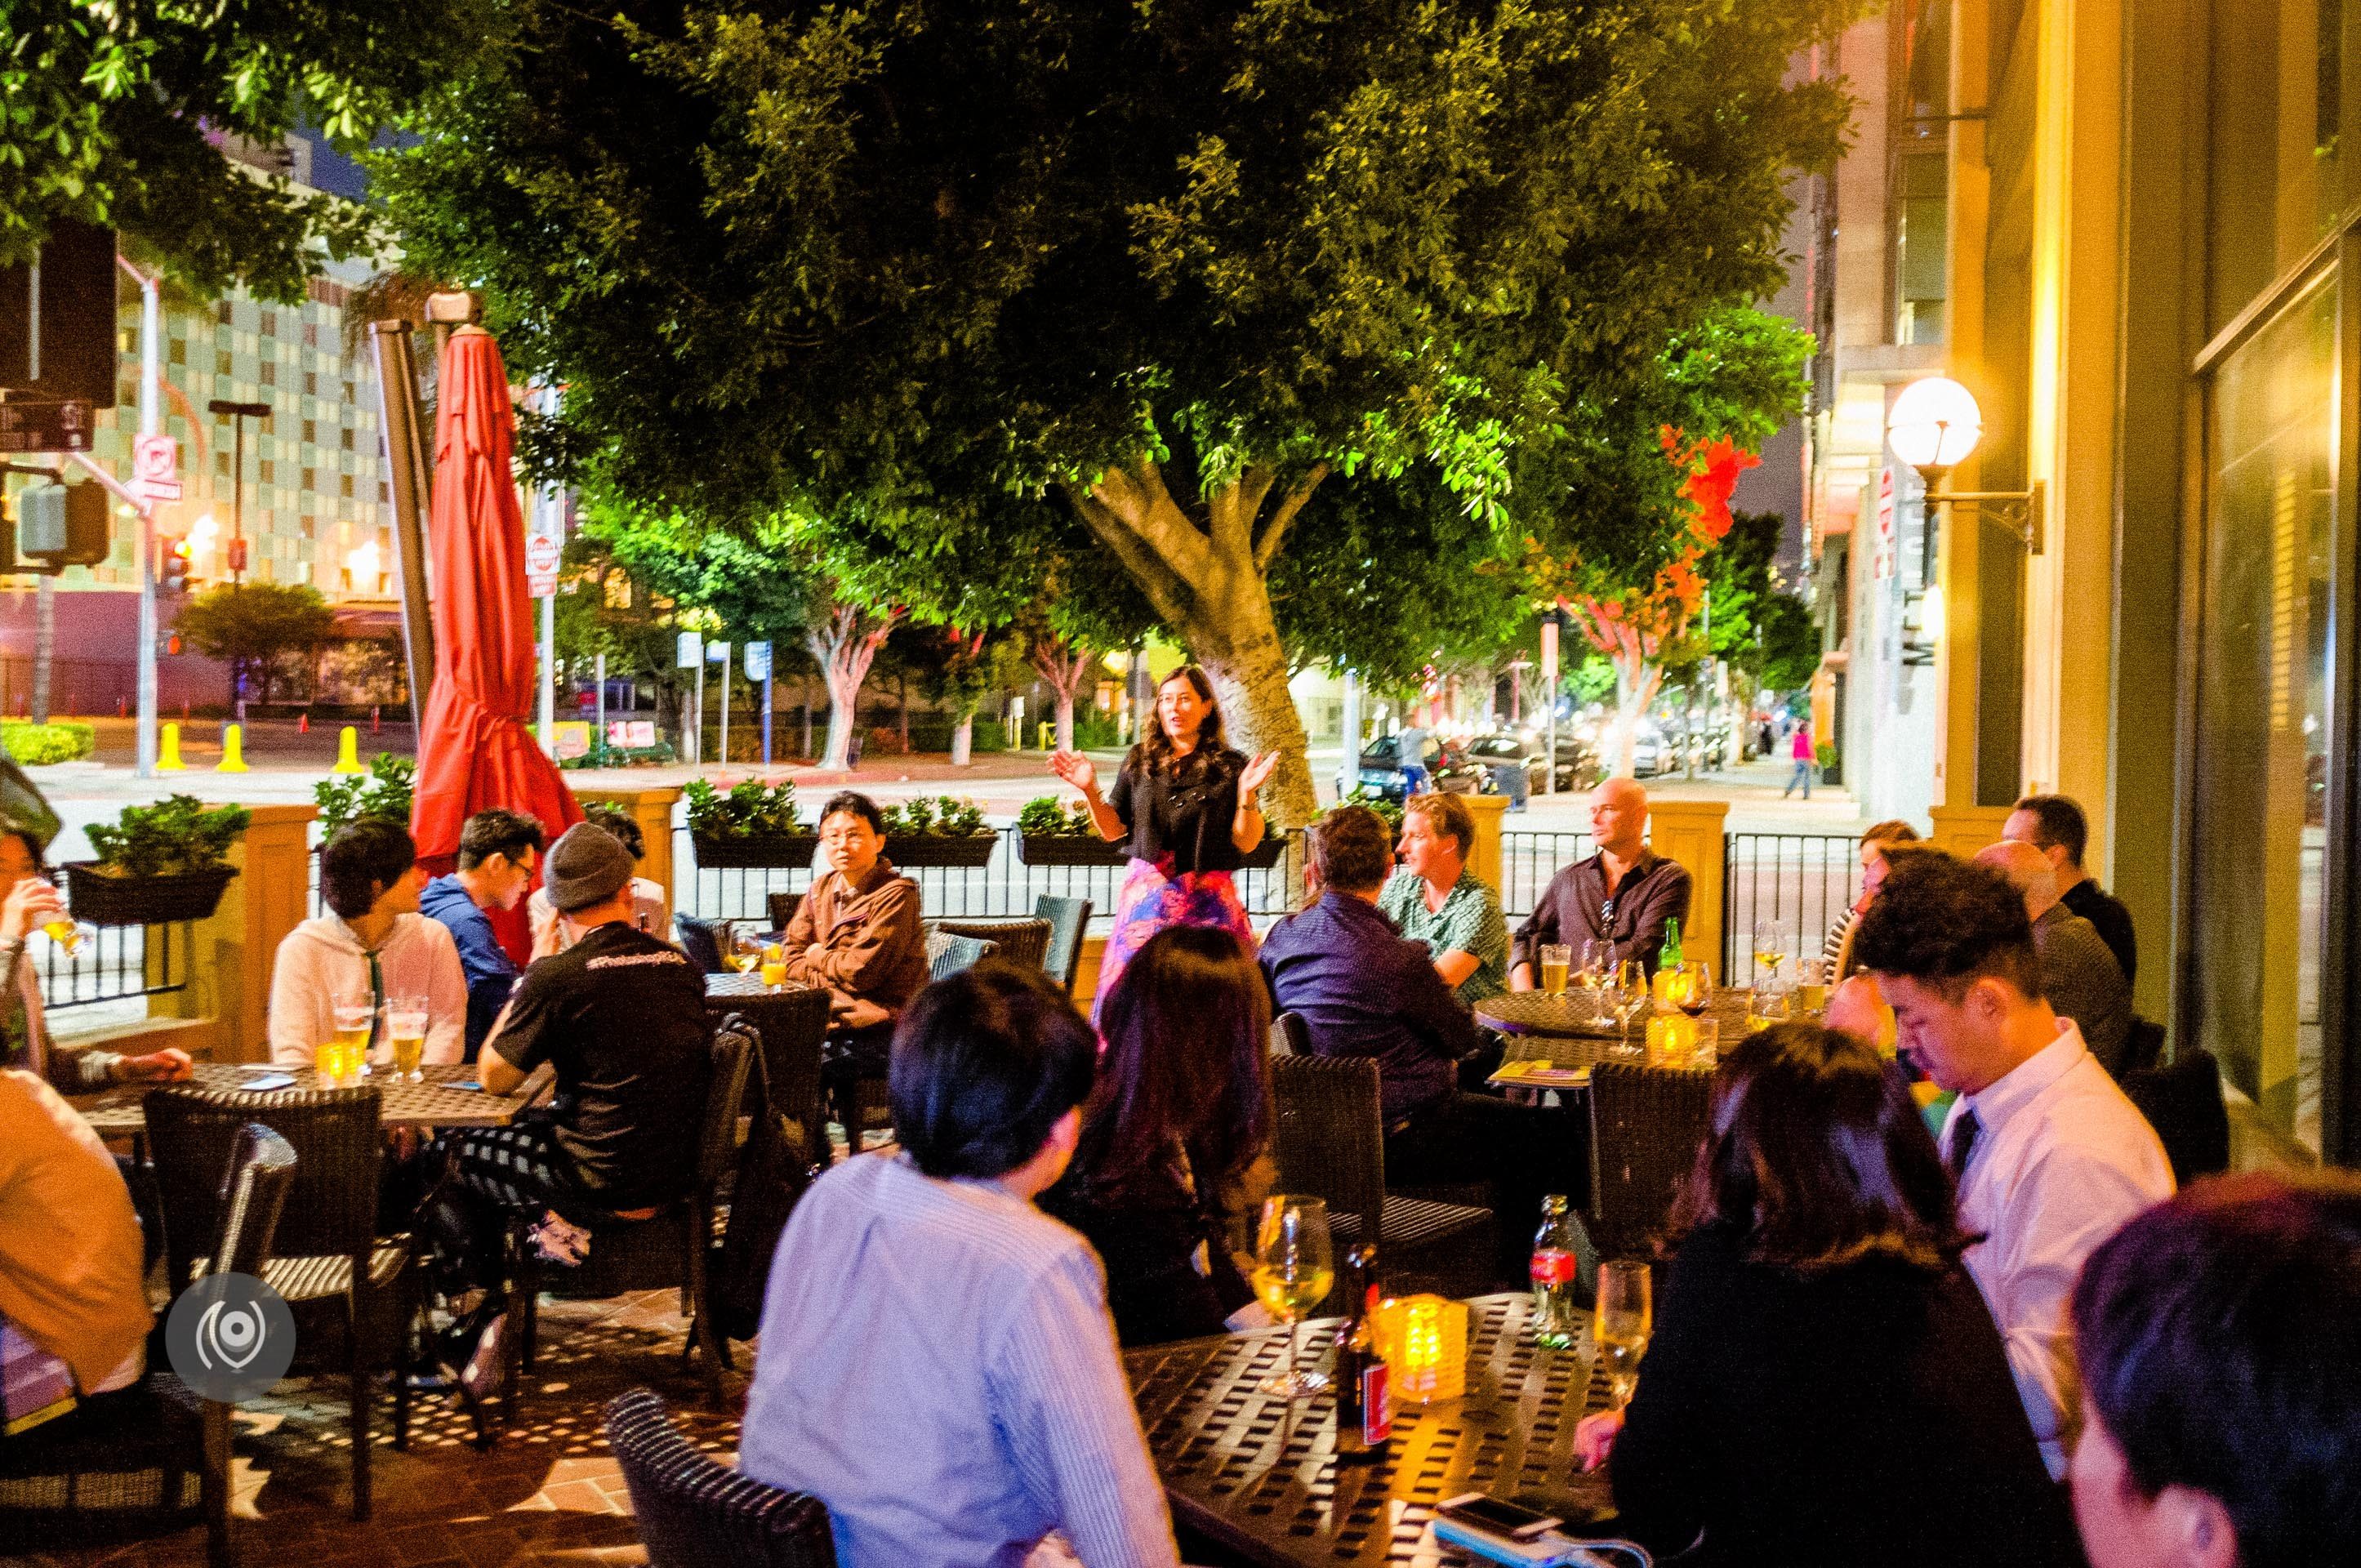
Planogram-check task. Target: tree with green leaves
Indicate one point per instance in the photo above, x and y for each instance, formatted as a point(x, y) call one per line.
point(252, 627)
point(115, 111)
point(1177, 268)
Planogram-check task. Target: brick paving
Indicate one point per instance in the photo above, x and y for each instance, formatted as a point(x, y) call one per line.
point(548, 1493)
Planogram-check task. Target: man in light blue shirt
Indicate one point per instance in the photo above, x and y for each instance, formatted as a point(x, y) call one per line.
point(936, 1363)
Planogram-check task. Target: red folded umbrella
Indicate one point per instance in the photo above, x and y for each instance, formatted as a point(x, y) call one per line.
point(476, 750)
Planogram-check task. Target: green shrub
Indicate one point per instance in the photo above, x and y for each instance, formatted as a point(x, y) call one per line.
point(176, 834)
point(944, 817)
point(383, 792)
point(1044, 816)
point(35, 745)
point(751, 809)
point(1825, 754)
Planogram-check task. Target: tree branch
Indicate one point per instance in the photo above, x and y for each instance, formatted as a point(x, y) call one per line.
point(1233, 507)
point(1274, 532)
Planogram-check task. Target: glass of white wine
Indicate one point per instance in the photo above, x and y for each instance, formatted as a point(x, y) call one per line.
point(1622, 1326)
point(1775, 940)
point(1630, 991)
point(1596, 972)
point(744, 953)
point(1293, 1272)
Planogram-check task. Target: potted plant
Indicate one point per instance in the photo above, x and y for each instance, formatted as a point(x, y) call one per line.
point(1825, 754)
point(157, 863)
point(753, 824)
point(944, 831)
point(1050, 834)
point(384, 792)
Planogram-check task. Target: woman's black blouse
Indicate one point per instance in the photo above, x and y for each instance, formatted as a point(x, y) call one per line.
point(1187, 814)
point(1148, 1239)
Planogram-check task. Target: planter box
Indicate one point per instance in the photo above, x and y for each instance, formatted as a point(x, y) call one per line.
point(777, 849)
point(932, 850)
point(105, 900)
point(1066, 849)
point(1265, 854)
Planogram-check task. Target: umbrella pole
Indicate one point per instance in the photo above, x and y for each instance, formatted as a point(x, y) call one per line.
point(405, 467)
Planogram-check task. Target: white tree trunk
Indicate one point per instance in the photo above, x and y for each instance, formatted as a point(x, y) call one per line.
point(1635, 688)
point(845, 644)
point(963, 741)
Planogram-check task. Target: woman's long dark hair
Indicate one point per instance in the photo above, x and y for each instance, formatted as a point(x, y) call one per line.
point(1156, 747)
point(1188, 1046)
point(1817, 1154)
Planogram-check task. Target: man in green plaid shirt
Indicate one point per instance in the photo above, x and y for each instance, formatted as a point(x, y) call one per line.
point(1435, 899)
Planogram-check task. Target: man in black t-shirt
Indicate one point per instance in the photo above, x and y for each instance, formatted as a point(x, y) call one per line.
point(620, 1019)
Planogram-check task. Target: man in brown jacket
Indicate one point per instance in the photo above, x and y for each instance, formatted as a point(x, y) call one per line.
point(857, 934)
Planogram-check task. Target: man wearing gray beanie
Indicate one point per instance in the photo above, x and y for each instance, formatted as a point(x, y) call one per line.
point(620, 1017)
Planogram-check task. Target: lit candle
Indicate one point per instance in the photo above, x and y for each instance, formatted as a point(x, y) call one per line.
point(1424, 1340)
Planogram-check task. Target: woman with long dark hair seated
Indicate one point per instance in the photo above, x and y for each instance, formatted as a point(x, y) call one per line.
point(1180, 1110)
point(1824, 1385)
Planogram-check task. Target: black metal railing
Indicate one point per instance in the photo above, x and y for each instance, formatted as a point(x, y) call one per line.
point(114, 964)
point(1003, 889)
point(1528, 861)
point(1804, 880)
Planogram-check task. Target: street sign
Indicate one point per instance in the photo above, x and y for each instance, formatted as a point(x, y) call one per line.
point(1549, 654)
point(155, 468)
point(717, 652)
point(690, 654)
point(756, 658)
point(541, 559)
point(45, 427)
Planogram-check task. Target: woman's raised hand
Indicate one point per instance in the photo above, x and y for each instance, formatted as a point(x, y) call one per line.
point(1257, 773)
point(1076, 769)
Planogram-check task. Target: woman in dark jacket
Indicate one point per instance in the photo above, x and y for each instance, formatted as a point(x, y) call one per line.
point(1824, 1385)
point(1184, 805)
point(1182, 1109)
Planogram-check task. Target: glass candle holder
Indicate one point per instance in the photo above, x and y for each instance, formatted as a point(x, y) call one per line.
point(1424, 1342)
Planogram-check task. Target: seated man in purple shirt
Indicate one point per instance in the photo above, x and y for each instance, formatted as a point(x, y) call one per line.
point(1363, 989)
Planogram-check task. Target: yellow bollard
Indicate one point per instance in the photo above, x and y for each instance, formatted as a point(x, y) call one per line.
point(348, 752)
point(233, 749)
point(169, 761)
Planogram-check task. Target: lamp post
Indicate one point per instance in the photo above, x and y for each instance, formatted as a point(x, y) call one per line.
point(1934, 426)
point(238, 413)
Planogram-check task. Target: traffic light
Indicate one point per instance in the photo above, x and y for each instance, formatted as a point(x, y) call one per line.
point(174, 577)
point(65, 525)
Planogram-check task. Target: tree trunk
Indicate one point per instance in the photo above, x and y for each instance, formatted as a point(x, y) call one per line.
point(963, 740)
point(845, 644)
point(1063, 666)
point(902, 700)
point(1209, 585)
point(45, 645)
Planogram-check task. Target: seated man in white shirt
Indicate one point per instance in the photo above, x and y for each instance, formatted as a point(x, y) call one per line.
point(373, 945)
point(921, 1301)
point(2050, 1157)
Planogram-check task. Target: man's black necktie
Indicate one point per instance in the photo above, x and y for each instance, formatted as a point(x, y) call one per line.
point(1963, 1144)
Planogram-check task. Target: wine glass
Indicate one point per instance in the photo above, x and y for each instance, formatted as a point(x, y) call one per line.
point(1628, 991)
point(1292, 1274)
point(1765, 1008)
point(1775, 938)
point(1598, 965)
point(744, 954)
point(1692, 987)
point(1622, 1326)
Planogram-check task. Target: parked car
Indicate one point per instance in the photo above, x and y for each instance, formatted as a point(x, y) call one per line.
point(1448, 769)
point(1577, 763)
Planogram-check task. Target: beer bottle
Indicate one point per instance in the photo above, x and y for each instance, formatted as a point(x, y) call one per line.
point(1364, 1406)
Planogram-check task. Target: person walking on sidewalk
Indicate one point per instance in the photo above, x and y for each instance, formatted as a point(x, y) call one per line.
point(1802, 752)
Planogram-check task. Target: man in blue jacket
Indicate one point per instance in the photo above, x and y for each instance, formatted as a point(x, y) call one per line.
point(499, 850)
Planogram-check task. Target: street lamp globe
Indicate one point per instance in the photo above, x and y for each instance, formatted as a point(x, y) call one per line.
point(1933, 425)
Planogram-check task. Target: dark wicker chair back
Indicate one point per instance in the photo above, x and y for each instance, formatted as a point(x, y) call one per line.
point(1069, 919)
point(734, 1045)
point(262, 1166)
point(2143, 1046)
point(1025, 943)
point(783, 907)
point(947, 954)
point(695, 1512)
point(701, 940)
point(1645, 1126)
point(2183, 1103)
point(1328, 1139)
point(1289, 1037)
point(331, 1208)
point(794, 1024)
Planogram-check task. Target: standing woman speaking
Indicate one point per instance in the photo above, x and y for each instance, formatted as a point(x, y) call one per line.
point(1185, 803)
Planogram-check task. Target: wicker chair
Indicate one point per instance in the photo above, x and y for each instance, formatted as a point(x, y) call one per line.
point(701, 940)
point(1069, 919)
point(1025, 943)
point(2183, 1103)
point(1645, 1126)
point(1329, 1141)
point(783, 907)
point(349, 1288)
point(1289, 1037)
point(695, 1512)
point(674, 1247)
point(127, 1460)
point(791, 1025)
point(948, 953)
point(863, 1105)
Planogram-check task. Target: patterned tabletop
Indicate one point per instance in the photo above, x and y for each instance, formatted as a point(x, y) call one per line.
point(1570, 1016)
point(1260, 1476)
point(122, 1111)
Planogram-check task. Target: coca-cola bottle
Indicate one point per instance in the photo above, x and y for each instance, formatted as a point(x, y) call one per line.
point(1557, 1316)
point(1364, 1403)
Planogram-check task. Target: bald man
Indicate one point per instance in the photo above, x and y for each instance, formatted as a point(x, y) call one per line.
point(1625, 893)
point(2080, 977)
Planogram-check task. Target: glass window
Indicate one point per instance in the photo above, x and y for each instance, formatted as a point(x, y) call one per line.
point(2262, 712)
point(2276, 175)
